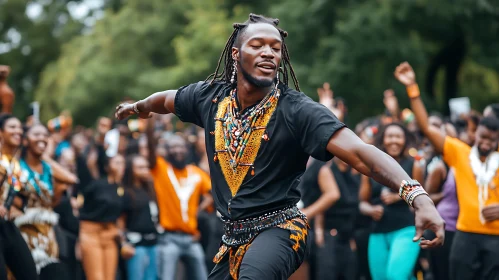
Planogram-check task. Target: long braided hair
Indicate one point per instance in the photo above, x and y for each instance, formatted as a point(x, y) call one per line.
point(225, 73)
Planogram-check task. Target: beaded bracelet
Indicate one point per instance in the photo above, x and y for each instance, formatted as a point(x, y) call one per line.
point(413, 91)
point(407, 186)
point(413, 195)
point(411, 189)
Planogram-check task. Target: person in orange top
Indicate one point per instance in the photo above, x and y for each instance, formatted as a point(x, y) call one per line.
point(182, 191)
point(475, 249)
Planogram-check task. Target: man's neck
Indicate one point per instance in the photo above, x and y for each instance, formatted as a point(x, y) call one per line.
point(248, 94)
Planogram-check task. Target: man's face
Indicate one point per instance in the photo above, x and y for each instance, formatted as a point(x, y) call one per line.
point(259, 55)
point(486, 140)
point(176, 152)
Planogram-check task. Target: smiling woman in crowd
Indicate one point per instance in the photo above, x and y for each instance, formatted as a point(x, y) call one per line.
point(14, 252)
point(391, 253)
point(38, 220)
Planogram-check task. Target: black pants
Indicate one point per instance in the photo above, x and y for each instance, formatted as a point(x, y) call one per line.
point(269, 257)
point(54, 271)
point(474, 256)
point(15, 254)
point(67, 254)
point(439, 258)
point(335, 259)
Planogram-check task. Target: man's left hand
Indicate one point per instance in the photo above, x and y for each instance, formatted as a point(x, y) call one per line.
point(427, 217)
point(491, 212)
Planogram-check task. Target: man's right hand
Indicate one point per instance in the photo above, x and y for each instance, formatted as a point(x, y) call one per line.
point(125, 110)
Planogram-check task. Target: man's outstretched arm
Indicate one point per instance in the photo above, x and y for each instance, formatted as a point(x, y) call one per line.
point(374, 163)
point(161, 103)
point(367, 159)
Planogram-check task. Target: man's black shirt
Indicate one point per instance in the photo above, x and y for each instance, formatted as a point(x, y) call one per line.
point(299, 127)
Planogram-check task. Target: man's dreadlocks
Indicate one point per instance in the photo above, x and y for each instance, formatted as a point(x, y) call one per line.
point(228, 61)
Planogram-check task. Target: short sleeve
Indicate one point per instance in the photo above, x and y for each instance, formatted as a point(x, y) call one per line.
point(190, 101)
point(313, 126)
point(453, 150)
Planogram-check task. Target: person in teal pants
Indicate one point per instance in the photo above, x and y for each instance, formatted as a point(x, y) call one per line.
point(392, 254)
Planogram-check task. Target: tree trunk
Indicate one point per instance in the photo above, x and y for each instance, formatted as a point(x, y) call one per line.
point(450, 57)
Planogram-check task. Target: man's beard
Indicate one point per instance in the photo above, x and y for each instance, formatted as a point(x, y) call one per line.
point(254, 81)
point(178, 164)
point(483, 153)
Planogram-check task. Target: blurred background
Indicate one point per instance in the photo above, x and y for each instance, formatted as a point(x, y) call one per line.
point(86, 56)
point(72, 62)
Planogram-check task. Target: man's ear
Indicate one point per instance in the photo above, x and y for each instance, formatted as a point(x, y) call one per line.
point(235, 53)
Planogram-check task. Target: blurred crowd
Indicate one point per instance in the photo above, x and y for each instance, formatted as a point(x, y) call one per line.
point(131, 199)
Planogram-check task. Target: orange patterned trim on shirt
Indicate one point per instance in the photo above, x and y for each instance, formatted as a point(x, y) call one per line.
point(235, 179)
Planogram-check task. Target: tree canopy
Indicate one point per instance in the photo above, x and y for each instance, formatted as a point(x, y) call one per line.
point(140, 47)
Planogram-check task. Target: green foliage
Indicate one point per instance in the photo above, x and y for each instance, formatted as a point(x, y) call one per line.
point(38, 42)
point(141, 47)
point(133, 53)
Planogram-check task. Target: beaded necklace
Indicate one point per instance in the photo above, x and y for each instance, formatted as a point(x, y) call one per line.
point(237, 127)
point(13, 169)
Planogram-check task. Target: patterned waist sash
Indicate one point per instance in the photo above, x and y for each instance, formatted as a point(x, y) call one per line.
point(241, 232)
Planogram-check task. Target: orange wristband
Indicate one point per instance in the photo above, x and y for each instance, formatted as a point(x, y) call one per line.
point(413, 91)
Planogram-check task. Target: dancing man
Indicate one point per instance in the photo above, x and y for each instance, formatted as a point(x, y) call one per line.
point(259, 136)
